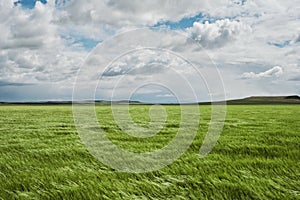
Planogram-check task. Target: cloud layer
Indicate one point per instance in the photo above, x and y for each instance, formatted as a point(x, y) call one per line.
point(252, 42)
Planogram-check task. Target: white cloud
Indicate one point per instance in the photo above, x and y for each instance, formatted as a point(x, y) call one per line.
point(145, 62)
point(296, 38)
point(132, 12)
point(217, 34)
point(31, 49)
point(273, 72)
point(30, 29)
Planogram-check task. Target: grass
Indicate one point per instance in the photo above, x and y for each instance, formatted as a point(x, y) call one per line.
point(256, 157)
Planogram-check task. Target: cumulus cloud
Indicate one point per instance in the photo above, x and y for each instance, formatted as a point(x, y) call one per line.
point(146, 62)
point(273, 72)
point(217, 34)
point(28, 28)
point(31, 48)
point(132, 12)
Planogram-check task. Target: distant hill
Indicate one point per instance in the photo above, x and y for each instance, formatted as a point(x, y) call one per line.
point(254, 100)
point(97, 102)
point(264, 100)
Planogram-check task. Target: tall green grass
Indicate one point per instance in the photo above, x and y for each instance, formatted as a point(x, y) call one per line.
point(256, 157)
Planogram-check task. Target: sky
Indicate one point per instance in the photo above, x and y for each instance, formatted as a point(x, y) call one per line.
point(253, 44)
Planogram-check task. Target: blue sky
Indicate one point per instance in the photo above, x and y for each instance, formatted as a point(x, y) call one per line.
point(182, 24)
point(254, 44)
point(28, 3)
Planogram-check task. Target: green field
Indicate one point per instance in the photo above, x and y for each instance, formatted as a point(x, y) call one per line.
point(257, 156)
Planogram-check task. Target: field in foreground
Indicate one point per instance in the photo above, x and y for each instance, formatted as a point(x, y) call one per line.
point(257, 156)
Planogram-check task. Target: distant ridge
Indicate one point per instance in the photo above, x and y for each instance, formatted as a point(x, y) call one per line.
point(263, 100)
point(254, 100)
point(97, 102)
